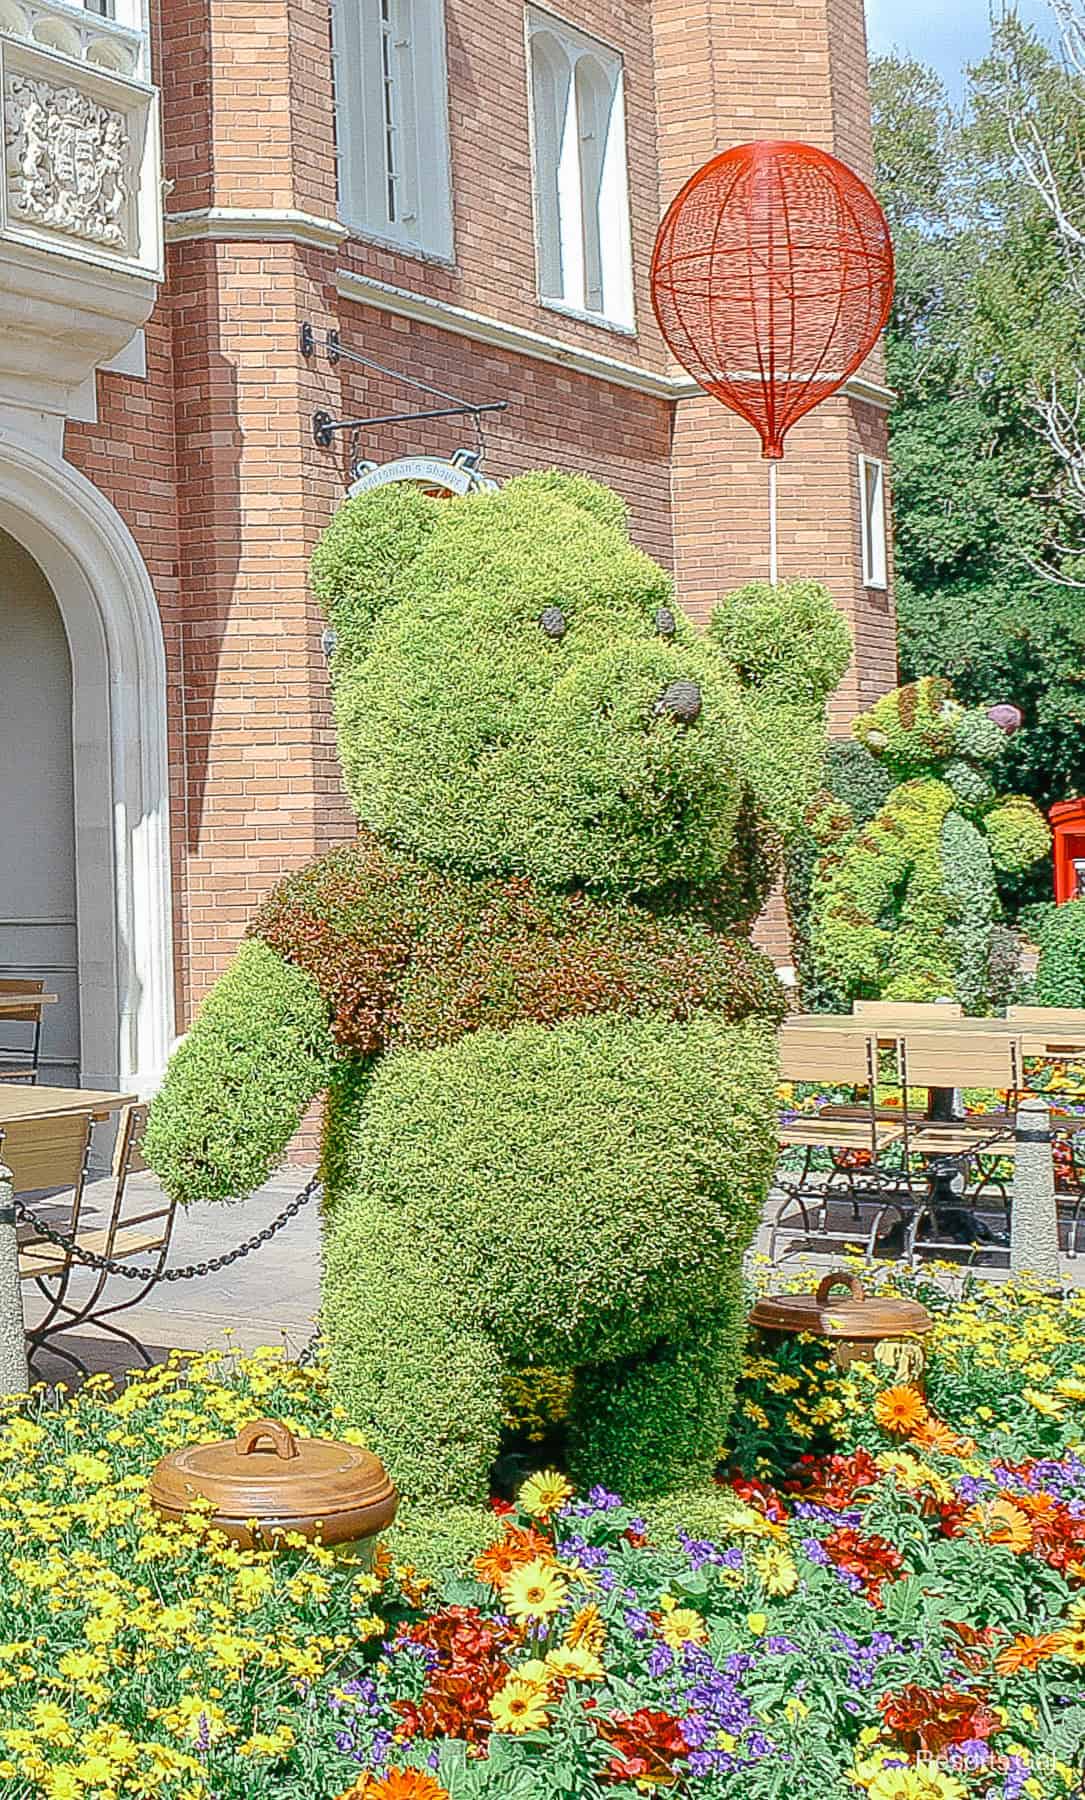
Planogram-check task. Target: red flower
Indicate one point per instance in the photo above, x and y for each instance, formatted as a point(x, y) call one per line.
point(928, 1720)
point(761, 1496)
point(871, 1559)
point(838, 1481)
point(466, 1664)
point(646, 1744)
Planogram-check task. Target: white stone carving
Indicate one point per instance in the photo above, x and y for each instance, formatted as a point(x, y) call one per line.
point(68, 161)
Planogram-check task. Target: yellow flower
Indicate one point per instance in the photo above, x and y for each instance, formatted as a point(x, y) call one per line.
point(756, 1623)
point(1071, 1388)
point(680, 1624)
point(776, 1570)
point(534, 1591)
point(1071, 1644)
point(519, 1707)
point(543, 1494)
point(1045, 1404)
point(586, 1628)
point(50, 1723)
point(574, 1664)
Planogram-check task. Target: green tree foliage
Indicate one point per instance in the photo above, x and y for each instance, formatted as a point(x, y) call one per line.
point(977, 326)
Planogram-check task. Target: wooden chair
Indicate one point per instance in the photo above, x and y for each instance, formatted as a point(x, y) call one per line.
point(138, 1228)
point(908, 1012)
point(855, 1143)
point(948, 1059)
point(19, 1062)
point(1047, 1018)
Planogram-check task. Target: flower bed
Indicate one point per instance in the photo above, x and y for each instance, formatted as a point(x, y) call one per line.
point(889, 1602)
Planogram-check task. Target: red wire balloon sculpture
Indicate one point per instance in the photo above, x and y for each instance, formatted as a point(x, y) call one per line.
point(772, 279)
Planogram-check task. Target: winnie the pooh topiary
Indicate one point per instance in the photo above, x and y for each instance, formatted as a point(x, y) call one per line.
point(903, 902)
point(528, 987)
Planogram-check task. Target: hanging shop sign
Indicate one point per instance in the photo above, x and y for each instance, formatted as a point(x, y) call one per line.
point(459, 475)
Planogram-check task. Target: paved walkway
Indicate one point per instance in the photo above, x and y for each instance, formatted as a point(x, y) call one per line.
point(269, 1297)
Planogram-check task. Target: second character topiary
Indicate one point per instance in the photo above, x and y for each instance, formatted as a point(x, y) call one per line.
point(902, 898)
point(528, 987)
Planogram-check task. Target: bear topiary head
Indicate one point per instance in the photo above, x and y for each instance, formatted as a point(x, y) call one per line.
point(922, 731)
point(516, 691)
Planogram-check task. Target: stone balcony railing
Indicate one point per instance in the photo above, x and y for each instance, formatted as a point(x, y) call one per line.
point(80, 196)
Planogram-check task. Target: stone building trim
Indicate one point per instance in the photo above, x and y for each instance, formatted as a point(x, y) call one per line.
point(103, 590)
point(255, 224)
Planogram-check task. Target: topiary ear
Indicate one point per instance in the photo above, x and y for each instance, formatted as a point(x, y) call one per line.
point(360, 561)
point(577, 490)
point(789, 641)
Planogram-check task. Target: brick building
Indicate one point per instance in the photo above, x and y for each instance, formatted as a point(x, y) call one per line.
point(466, 191)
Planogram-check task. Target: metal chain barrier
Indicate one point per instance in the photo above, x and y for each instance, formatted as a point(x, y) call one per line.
point(107, 1266)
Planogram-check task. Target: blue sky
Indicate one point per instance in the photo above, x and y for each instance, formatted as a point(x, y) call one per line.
point(947, 33)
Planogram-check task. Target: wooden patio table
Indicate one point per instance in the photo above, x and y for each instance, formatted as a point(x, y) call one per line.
point(16, 1104)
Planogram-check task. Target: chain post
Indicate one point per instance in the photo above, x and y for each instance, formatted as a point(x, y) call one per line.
point(14, 1374)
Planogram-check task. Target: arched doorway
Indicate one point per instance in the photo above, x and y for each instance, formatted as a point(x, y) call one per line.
point(90, 567)
point(38, 933)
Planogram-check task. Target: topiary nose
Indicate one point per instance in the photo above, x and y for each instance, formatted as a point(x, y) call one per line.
point(680, 701)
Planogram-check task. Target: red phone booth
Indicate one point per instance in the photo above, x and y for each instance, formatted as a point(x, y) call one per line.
point(1068, 827)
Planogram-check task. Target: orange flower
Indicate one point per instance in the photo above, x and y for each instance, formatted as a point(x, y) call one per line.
point(900, 1410)
point(517, 1547)
point(398, 1784)
point(935, 1434)
point(1026, 1653)
point(1001, 1522)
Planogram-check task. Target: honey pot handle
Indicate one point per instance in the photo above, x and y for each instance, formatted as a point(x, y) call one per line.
point(283, 1442)
point(839, 1278)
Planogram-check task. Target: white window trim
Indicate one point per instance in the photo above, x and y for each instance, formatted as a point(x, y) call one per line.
point(618, 312)
point(430, 236)
point(874, 532)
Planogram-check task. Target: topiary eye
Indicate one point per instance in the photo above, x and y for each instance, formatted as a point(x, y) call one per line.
point(553, 622)
point(665, 623)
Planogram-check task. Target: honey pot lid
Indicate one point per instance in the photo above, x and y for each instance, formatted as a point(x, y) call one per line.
point(267, 1472)
point(854, 1314)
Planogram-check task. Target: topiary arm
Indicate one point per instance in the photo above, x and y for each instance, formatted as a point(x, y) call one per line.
point(788, 646)
point(1017, 834)
point(237, 1088)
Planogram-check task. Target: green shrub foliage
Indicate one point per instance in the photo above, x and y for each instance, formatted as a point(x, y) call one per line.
point(528, 986)
point(903, 902)
point(241, 1081)
point(1060, 975)
point(512, 1174)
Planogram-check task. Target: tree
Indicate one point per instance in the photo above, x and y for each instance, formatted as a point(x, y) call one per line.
point(978, 510)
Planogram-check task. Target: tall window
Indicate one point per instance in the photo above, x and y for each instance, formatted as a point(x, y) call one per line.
point(872, 517)
point(391, 89)
point(581, 184)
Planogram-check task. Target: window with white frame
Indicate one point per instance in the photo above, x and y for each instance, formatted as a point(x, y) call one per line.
point(872, 518)
point(391, 89)
point(104, 8)
point(581, 182)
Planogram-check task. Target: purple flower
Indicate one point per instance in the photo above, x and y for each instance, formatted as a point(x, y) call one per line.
point(661, 1659)
point(638, 1622)
point(971, 1753)
point(344, 1742)
point(782, 1646)
point(814, 1551)
point(971, 1488)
